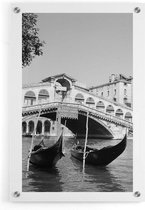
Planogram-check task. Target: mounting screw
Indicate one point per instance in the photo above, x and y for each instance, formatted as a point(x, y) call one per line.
point(137, 194)
point(137, 10)
point(16, 194)
point(16, 9)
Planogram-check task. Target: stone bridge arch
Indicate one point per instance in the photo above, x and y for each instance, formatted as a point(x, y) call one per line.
point(44, 125)
point(31, 126)
point(24, 127)
point(47, 126)
point(97, 129)
point(102, 121)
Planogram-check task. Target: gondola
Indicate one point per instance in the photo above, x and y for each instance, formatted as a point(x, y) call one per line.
point(47, 157)
point(100, 157)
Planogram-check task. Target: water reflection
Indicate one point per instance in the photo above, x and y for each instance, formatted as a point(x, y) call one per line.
point(42, 180)
point(101, 178)
point(67, 175)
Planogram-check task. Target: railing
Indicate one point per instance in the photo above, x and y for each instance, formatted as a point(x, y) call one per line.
point(81, 107)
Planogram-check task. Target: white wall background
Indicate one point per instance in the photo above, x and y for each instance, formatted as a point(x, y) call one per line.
point(5, 204)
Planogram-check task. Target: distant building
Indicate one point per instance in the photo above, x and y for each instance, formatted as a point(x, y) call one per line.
point(119, 89)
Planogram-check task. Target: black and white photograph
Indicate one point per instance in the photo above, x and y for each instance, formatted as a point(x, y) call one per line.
point(77, 102)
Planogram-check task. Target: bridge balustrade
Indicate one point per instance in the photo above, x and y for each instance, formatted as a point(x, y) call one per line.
point(82, 107)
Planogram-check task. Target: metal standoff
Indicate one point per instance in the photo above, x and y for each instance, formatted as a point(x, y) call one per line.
point(137, 194)
point(16, 194)
point(16, 9)
point(137, 10)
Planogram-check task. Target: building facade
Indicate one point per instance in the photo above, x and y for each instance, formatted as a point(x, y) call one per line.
point(119, 89)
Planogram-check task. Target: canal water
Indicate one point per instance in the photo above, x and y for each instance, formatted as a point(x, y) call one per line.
point(67, 175)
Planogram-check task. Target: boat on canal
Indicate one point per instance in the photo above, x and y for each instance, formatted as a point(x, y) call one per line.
point(99, 157)
point(42, 156)
point(47, 157)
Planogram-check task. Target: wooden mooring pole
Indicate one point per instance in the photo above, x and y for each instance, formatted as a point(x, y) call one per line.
point(86, 139)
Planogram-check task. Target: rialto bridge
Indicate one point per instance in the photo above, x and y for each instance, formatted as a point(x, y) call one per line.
point(107, 119)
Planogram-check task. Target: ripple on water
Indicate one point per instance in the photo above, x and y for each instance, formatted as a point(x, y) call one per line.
point(67, 175)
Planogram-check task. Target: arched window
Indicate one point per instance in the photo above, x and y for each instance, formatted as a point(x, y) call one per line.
point(125, 92)
point(90, 101)
point(64, 83)
point(125, 100)
point(128, 117)
point(39, 127)
point(43, 96)
point(31, 126)
point(110, 109)
point(119, 113)
point(29, 98)
point(24, 127)
point(100, 106)
point(79, 98)
point(47, 125)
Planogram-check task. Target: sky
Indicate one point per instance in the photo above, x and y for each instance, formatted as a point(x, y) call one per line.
point(88, 47)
